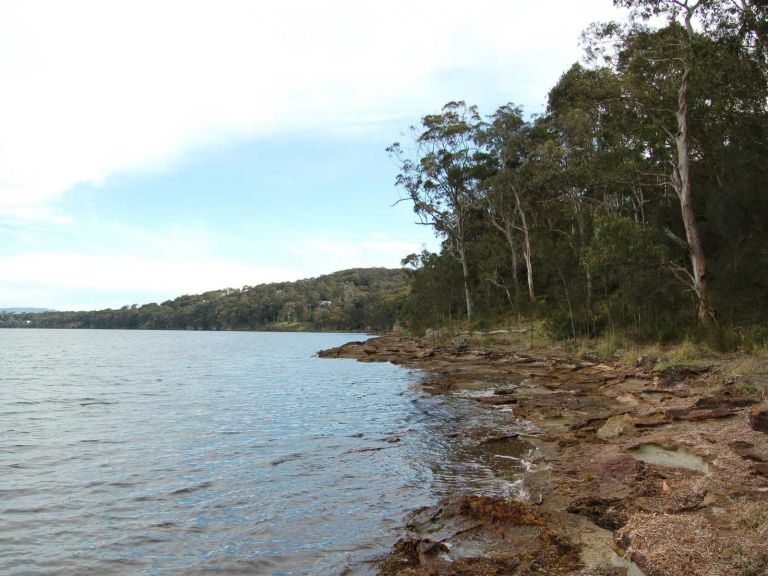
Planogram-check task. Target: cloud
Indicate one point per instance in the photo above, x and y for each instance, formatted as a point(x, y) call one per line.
point(87, 281)
point(176, 261)
point(321, 254)
point(92, 88)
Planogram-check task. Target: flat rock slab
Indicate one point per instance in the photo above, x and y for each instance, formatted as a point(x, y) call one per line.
point(693, 414)
point(710, 402)
point(496, 400)
point(615, 426)
point(758, 418)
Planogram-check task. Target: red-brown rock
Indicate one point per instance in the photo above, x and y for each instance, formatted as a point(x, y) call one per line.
point(496, 400)
point(709, 402)
point(758, 418)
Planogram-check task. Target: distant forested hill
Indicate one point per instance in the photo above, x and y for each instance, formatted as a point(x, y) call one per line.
point(357, 299)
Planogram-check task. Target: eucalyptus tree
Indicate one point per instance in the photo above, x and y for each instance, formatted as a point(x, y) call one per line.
point(699, 83)
point(507, 137)
point(441, 174)
point(680, 15)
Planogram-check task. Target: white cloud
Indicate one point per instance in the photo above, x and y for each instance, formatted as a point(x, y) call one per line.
point(173, 262)
point(94, 87)
point(86, 282)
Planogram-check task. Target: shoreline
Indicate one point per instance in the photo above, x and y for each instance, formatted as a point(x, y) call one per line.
point(635, 470)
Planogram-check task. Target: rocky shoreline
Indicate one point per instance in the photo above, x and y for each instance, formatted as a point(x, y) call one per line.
point(635, 470)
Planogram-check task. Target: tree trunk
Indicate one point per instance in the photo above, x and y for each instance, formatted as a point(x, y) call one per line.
point(682, 182)
point(515, 281)
point(506, 230)
point(513, 253)
point(526, 249)
point(465, 272)
point(460, 248)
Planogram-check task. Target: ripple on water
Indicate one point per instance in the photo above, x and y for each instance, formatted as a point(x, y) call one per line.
point(186, 452)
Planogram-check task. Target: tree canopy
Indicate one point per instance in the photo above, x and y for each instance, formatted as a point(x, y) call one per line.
point(635, 202)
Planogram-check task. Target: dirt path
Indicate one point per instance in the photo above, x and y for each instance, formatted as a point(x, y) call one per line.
point(636, 471)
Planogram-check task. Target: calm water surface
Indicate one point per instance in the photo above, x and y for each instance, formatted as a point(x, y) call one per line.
point(133, 452)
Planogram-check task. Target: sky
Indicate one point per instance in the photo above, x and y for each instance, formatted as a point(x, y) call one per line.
point(150, 149)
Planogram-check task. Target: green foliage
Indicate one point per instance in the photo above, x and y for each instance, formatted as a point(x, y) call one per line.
point(575, 218)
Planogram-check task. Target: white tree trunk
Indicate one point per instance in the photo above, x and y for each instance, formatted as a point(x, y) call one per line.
point(526, 248)
point(682, 183)
point(460, 248)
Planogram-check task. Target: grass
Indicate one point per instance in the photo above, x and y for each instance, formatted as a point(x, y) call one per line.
point(749, 359)
point(754, 515)
point(615, 347)
point(750, 365)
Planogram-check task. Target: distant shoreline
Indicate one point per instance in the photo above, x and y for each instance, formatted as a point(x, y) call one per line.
point(266, 330)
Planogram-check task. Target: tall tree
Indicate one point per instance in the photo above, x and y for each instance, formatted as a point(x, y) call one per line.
point(508, 139)
point(441, 176)
point(683, 12)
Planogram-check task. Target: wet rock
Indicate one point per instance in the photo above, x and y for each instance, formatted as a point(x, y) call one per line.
point(496, 400)
point(758, 418)
point(605, 512)
point(494, 439)
point(433, 556)
point(348, 348)
point(484, 435)
point(506, 391)
point(669, 455)
point(615, 426)
point(475, 535)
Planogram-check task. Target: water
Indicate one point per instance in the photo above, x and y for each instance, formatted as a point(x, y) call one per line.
point(133, 452)
point(677, 458)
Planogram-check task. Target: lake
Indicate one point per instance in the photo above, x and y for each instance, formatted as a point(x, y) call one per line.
point(151, 452)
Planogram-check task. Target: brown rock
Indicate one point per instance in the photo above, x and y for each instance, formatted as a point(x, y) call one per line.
point(758, 418)
point(628, 399)
point(693, 414)
point(709, 402)
point(496, 400)
point(605, 512)
point(748, 453)
point(715, 413)
point(622, 469)
point(652, 420)
point(615, 426)
point(746, 450)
